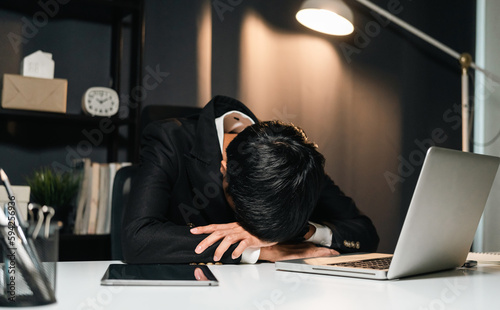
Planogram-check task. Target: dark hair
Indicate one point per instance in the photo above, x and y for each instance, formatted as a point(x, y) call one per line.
point(274, 177)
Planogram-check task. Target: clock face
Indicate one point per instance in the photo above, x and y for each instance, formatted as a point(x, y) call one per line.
point(100, 101)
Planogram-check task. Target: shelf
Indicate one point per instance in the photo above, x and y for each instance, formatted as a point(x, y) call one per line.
point(63, 136)
point(103, 11)
point(35, 116)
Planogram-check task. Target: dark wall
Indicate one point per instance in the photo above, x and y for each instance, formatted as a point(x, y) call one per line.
point(426, 79)
point(171, 36)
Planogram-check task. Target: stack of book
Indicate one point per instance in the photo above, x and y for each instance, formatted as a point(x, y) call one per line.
point(93, 202)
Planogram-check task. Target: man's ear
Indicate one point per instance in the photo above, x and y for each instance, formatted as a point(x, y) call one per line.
point(223, 167)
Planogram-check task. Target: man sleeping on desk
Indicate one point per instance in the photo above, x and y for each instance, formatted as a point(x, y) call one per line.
point(222, 186)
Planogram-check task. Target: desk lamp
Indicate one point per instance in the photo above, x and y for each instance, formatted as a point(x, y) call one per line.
point(334, 17)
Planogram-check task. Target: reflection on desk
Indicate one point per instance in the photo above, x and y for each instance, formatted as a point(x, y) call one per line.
point(261, 287)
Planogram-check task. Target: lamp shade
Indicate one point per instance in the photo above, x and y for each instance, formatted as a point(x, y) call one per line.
point(327, 16)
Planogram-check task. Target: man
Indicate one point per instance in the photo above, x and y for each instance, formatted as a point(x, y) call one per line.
point(269, 199)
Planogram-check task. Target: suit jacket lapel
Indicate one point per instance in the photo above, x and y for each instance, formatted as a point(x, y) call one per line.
point(203, 161)
point(206, 146)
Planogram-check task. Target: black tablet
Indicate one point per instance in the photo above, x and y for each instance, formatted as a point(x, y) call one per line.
point(158, 275)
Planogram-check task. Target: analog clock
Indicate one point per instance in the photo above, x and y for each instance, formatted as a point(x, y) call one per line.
point(100, 101)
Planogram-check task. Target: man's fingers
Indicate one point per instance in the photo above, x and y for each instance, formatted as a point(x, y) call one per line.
point(326, 252)
point(321, 251)
point(222, 248)
point(230, 233)
point(208, 241)
point(240, 249)
point(203, 229)
point(208, 229)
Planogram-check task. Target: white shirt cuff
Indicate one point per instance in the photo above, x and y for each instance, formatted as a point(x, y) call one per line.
point(322, 236)
point(250, 255)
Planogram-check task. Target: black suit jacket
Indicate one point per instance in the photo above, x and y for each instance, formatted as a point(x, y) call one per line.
point(179, 185)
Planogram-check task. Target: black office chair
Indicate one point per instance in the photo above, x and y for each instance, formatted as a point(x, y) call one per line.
point(123, 177)
point(121, 190)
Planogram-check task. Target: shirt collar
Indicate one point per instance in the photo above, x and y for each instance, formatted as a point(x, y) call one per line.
point(232, 121)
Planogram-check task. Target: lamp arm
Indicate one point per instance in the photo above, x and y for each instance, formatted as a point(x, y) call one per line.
point(426, 37)
point(464, 59)
point(411, 29)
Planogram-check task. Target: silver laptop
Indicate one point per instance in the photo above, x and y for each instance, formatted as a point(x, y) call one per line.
point(439, 228)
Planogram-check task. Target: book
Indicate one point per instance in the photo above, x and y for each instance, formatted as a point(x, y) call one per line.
point(113, 169)
point(82, 167)
point(93, 200)
point(104, 198)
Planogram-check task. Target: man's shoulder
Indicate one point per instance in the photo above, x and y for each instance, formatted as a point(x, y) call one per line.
point(172, 125)
point(171, 131)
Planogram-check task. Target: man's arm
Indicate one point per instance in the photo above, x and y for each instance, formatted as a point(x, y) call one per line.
point(352, 231)
point(228, 234)
point(294, 251)
point(149, 235)
point(233, 233)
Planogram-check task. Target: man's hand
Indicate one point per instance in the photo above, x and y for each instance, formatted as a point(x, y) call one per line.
point(294, 251)
point(230, 234)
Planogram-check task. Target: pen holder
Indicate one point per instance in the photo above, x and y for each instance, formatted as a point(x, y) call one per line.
point(28, 273)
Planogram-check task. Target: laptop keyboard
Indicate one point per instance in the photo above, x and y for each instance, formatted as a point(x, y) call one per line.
point(377, 263)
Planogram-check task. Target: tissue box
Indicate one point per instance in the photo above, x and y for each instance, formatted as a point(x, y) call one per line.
point(35, 94)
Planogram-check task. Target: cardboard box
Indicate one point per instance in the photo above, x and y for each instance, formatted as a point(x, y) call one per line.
point(34, 94)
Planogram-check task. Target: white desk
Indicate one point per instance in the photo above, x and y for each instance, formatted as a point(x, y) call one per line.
point(261, 287)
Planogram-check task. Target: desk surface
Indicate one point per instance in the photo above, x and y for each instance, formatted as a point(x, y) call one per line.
point(261, 287)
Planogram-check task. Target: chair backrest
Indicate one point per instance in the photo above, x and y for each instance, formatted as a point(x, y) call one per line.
point(121, 190)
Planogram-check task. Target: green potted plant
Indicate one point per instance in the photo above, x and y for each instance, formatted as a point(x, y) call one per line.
point(54, 189)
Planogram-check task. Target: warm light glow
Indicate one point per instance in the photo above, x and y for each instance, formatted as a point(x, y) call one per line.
point(325, 21)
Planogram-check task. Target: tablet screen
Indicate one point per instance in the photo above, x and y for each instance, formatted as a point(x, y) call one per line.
point(158, 274)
